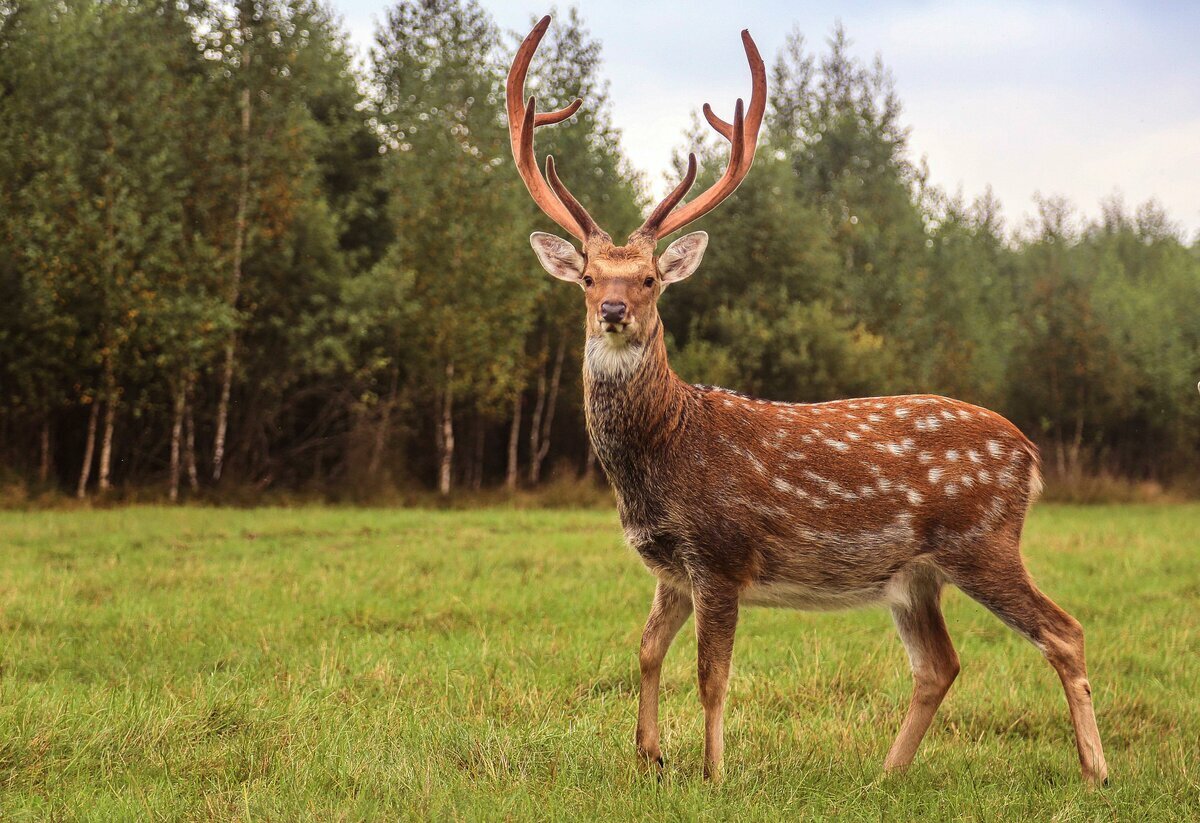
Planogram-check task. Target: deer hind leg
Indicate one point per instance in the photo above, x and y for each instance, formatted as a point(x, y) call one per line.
point(716, 623)
point(669, 612)
point(997, 579)
point(917, 613)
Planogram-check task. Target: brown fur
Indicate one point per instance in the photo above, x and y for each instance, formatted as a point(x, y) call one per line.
point(735, 501)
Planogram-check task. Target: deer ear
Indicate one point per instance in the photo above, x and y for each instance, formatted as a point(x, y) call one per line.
point(557, 256)
point(682, 257)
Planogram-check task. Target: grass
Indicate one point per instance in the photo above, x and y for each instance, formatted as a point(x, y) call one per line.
point(331, 664)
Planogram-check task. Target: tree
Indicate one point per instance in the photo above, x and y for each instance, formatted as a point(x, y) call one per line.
point(838, 120)
point(440, 87)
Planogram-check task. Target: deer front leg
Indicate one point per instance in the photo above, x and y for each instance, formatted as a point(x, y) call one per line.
point(668, 613)
point(716, 623)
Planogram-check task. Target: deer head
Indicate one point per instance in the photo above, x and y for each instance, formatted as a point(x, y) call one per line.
point(621, 284)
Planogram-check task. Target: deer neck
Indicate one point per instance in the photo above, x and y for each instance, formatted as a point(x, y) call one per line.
point(636, 406)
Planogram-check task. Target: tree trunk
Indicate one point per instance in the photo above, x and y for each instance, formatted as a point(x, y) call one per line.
point(89, 450)
point(176, 439)
point(381, 431)
point(539, 408)
point(1076, 445)
point(106, 445)
point(44, 457)
point(514, 437)
point(446, 440)
point(110, 416)
point(538, 455)
point(223, 411)
point(189, 444)
point(477, 458)
point(109, 257)
point(235, 279)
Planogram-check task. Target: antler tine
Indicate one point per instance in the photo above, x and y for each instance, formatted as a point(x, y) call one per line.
point(549, 118)
point(573, 206)
point(758, 99)
point(724, 187)
point(522, 120)
point(650, 227)
point(743, 137)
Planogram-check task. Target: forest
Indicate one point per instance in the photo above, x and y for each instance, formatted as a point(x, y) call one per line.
point(236, 258)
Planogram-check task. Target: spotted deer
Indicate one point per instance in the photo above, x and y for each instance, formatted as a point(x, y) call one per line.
point(732, 501)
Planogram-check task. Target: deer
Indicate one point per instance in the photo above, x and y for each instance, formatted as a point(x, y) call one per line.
point(732, 501)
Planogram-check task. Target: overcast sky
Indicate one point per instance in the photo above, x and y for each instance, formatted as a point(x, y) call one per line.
point(1073, 98)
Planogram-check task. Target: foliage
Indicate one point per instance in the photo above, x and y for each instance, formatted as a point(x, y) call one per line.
point(374, 293)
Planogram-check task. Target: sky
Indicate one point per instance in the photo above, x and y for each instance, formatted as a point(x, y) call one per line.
point(1079, 99)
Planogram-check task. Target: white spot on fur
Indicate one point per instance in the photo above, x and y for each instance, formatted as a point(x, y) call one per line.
point(875, 418)
point(934, 474)
point(994, 449)
point(914, 497)
point(837, 444)
point(831, 486)
point(952, 455)
point(853, 436)
point(794, 455)
point(963, 414)
point(897, 449)
point(758, 465)
point(949, 415)
point(930, 423)
point(925, 457)
point(985, 476)
point(951, 489)
point(974, 455)
point(902, 411)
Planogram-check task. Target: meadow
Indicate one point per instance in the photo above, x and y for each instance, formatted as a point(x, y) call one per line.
point(345, 664)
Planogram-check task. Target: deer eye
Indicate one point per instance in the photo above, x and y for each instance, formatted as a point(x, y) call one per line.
point(649, 282)
point(588, 282)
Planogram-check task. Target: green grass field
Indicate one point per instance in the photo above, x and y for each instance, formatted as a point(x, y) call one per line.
point(372, 664)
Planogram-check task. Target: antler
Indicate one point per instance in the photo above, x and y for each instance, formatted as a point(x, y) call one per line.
point(742, 135)
point(562, 208)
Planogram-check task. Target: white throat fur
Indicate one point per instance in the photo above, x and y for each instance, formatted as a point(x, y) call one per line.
point(612, 359)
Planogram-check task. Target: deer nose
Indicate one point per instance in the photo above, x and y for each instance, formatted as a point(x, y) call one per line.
point(612, 311)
